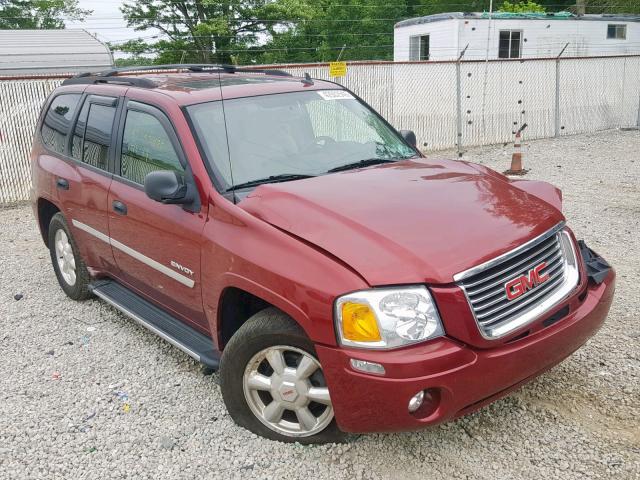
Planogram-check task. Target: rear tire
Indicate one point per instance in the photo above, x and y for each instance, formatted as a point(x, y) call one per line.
point(69, 267)
point(290, 402)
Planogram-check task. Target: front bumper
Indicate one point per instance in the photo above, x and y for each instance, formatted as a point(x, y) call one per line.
point(460, 378)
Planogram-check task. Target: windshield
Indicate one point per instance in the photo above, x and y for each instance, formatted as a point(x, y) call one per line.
point(291, 135)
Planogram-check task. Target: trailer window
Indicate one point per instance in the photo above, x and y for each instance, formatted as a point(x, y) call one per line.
point(510, 44)
point(419, 48)
point(617, 32)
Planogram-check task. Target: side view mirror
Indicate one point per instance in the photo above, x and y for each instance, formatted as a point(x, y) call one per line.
point(168, 186)
point(409, 137)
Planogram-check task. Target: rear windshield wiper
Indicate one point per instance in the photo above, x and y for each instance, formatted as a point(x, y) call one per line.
point(361, 163)
point(283, 177)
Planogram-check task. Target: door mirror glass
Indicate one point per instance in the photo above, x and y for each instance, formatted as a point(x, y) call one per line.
point(168, 186)
point(409, 137)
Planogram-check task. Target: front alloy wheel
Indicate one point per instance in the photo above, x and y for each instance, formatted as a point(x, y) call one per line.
point(285, 389)
point(273, 383)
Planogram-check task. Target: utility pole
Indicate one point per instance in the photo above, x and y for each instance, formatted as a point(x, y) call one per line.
point(581, 7)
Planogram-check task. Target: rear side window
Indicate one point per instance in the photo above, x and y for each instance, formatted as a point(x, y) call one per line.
point(57, 121)
point(78, 132)
point(146, 148)
point(97, 135)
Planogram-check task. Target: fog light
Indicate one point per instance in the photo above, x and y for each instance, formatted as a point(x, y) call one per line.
point(367, 367)
point(416, 401)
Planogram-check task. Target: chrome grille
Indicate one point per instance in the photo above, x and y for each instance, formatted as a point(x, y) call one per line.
point(486, 285)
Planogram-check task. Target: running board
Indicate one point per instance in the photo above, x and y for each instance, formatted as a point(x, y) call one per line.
point(174, 331)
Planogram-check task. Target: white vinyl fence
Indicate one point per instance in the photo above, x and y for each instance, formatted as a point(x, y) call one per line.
point(447, 104)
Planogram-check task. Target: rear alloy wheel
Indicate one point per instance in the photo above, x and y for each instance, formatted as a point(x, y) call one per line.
point(65, 257)
point(273, 384)
point(285, 389)
point(71, 271)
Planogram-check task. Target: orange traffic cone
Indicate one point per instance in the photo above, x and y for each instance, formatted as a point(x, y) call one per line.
point(516, 157)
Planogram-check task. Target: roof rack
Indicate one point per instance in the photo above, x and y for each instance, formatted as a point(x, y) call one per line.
point(113, 76)
point(195, 67)
point(90, 78)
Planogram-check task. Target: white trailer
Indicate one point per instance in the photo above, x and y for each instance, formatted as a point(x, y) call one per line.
point(506, 35)
point(50, 52)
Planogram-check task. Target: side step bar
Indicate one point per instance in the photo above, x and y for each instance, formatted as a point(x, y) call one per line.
point(174, 331)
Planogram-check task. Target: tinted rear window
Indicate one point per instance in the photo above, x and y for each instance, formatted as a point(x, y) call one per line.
point(57, 121)
point(97, 137)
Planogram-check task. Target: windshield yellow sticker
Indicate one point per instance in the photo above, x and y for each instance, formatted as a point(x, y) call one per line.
point(335, 94)
point(337, 69)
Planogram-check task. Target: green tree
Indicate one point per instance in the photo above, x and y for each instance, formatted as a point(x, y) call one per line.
point(594, 6)
point(522, 6)
point(270, 31)
point(613, 6)
point(363, 27)
point(282, 31)
point(36, 14)
point(210, 30)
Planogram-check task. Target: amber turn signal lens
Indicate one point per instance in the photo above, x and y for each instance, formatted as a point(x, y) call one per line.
point(359, 323)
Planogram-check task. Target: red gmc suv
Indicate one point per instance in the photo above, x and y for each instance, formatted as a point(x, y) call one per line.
point(278, 228)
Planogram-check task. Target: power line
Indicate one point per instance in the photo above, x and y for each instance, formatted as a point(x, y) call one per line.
point(417, 7)
point(550, 14)
point(451, 50)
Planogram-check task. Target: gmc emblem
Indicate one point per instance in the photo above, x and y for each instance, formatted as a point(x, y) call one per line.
point(518, 286)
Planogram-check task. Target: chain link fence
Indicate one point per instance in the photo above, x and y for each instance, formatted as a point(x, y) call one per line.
point(448, 104)
point(463, 104)
point(20, 103)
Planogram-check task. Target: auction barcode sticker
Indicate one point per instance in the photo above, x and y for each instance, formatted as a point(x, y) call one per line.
point(335, 94)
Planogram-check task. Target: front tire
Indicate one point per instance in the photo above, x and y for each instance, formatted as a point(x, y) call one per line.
point(272, 382)
point(70, 270)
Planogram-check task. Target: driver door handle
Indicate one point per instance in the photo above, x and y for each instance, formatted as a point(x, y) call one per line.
point(119, 207)
point(62, 184)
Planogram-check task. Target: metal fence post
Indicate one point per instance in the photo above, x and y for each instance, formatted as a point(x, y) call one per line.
point(638, 121)
point(459, 103)
point(557, 113)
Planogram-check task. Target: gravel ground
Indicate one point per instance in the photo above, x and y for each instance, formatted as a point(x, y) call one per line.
point(86, 393)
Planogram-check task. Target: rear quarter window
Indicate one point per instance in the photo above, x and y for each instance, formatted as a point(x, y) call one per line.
point(57, 121)
point(97, 135)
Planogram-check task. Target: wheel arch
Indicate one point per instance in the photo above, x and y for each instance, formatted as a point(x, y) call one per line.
point(242, 298)
point(46, 210)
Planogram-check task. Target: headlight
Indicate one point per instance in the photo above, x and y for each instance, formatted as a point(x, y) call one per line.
point(387, 317)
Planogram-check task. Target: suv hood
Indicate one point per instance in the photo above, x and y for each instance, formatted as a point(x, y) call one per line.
point(413, 221)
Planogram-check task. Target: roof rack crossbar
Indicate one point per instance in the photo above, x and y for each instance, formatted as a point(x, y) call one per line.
point(265, 71)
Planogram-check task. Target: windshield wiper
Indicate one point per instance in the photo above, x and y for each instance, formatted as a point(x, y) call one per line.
point(283, 177)
point(361, 163)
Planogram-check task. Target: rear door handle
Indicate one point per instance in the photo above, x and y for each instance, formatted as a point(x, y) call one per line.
point(62, 183)
point(119, 207)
